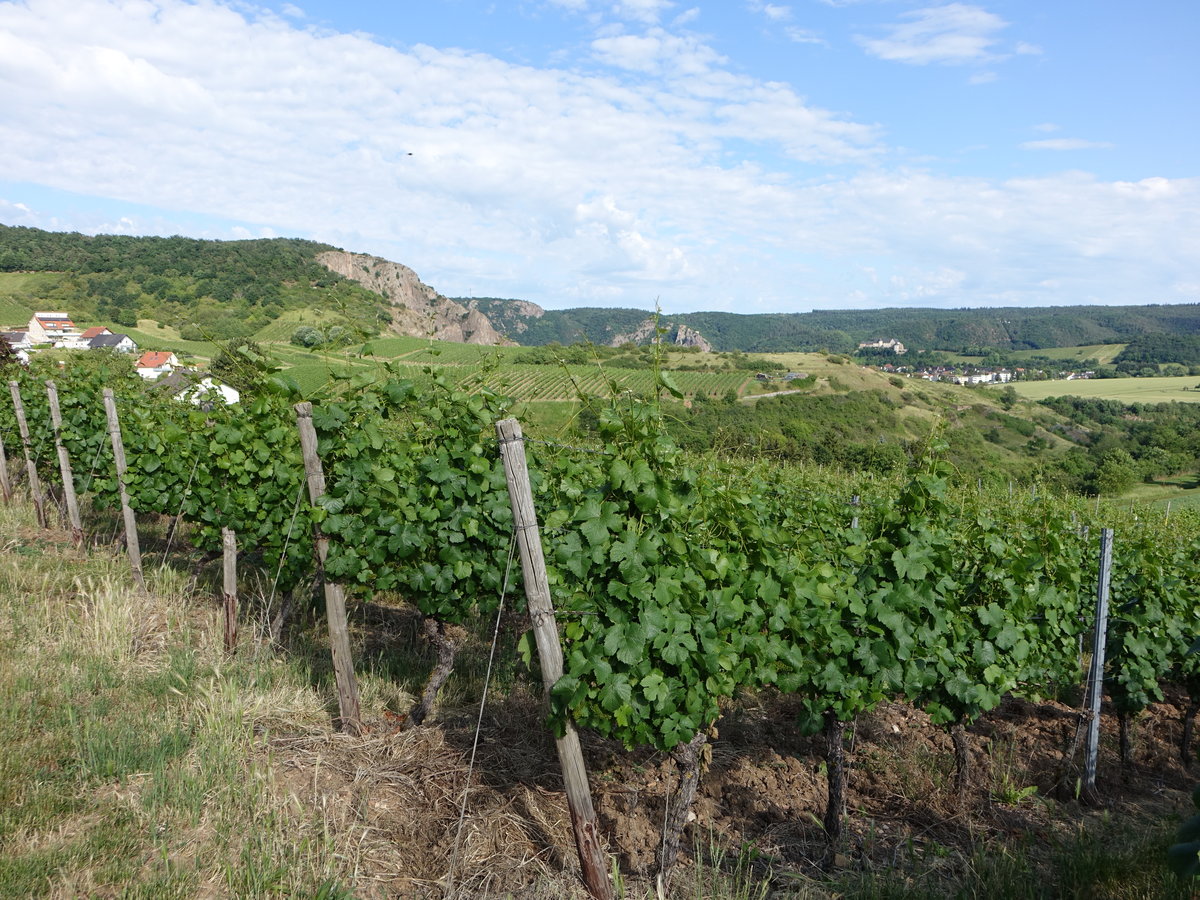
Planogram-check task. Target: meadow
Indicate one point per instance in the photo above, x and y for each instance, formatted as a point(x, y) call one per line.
point(1125, 390)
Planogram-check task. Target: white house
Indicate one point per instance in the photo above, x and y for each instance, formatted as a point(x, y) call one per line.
point(154, 363)
point(46, 326)
point(187, 385)
point(18, 340)
point(122, 343)
point(75, 340)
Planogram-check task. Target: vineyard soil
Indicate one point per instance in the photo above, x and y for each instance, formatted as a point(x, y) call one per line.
point(379, 815)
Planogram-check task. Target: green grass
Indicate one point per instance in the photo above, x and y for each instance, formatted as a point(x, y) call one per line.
point(282, 328)
point(130, 765)
point(18, 295)
point(1125, 390)
point(1102, 353)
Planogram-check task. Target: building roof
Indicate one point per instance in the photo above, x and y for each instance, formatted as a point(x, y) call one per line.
point(94, 331)
point(108, 340)
point(56, 320)
point(152, 359)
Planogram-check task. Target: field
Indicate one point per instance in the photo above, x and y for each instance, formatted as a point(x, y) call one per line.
point(142, 761)
point(17, 295)
point(1102, 353)
point(1125, 390)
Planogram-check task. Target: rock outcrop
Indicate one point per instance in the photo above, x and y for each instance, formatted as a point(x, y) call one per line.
point(417, 309)
point(509, 316)
point(679, 335)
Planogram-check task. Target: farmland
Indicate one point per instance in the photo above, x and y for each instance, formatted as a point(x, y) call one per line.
point(1124, 390)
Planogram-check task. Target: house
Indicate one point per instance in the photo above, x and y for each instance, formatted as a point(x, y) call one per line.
point(46, 326)
point(80, 340)
point(154, 363)
point(122, 343)
point(197, 389)
point(18, 340)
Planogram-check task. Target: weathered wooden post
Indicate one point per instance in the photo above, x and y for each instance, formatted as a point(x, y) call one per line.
point(229, 545)
point(335, 598)
point(5, 484)
point(1095, 685)
point(35, 483)
point(132, 547)
point(545, 628)
point(64, 466)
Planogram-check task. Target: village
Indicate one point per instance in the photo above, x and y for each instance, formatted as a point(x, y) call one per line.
point(962, 373)
point(56, 330)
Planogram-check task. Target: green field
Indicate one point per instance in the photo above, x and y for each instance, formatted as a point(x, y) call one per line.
point(1102, 353)
point(18, 295)
point(1125, 390)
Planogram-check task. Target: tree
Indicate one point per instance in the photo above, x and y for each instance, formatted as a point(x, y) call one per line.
point(1117, 473)
point(242, 364)
point(307, 336)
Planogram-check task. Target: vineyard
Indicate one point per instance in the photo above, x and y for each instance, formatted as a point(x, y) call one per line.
point(680, 583)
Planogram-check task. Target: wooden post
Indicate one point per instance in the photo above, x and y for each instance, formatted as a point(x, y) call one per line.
point(1095, 686)
point(335, 598)
point(856, 503)
point(64, 467)
point(35, 483)
point(541, 613)
point(229, 544)
point(5, 484)
point(132, 547)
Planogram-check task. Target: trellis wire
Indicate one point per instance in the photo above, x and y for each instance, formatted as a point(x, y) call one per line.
point(286, 540)
point(487, 678)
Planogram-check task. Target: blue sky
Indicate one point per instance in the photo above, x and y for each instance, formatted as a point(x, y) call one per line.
point(743, 155)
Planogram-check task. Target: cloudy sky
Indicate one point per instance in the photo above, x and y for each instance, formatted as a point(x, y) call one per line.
point(737, 155)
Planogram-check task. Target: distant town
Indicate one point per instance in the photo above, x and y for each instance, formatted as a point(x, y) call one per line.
point(54, 330)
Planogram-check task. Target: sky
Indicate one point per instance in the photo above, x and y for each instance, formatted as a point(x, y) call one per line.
point(743, 155)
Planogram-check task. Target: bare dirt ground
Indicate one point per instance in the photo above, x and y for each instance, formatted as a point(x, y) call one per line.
point(759, 806)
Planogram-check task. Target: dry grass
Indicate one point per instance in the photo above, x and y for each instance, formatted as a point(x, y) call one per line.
point(141, 761)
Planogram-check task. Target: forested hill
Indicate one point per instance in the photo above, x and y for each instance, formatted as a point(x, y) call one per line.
point(230, 289)
point(226, 289)
point(841, 331)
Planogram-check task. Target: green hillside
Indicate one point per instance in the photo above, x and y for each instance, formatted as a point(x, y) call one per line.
point(208, 290)
point(963, 330)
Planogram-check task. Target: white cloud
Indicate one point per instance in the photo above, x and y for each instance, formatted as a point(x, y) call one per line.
point(646, 11)
point(772, 11)
point(1026, 49)
point(951, 35)
point(553, 184)
point(685, 17)
point(982, 78)
point(1065, 144)
point(655, 52)
point(1047, 127)
point(804, 36)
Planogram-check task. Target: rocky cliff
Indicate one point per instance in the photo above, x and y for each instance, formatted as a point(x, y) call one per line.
point(417, 309)
point(679, 335)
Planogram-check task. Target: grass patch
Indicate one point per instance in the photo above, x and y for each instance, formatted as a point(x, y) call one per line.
point(130, 764)
point(1126, 390)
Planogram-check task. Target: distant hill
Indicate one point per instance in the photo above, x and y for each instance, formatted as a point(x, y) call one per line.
point(231, 289)
point(959, 330)
point(223, 289)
